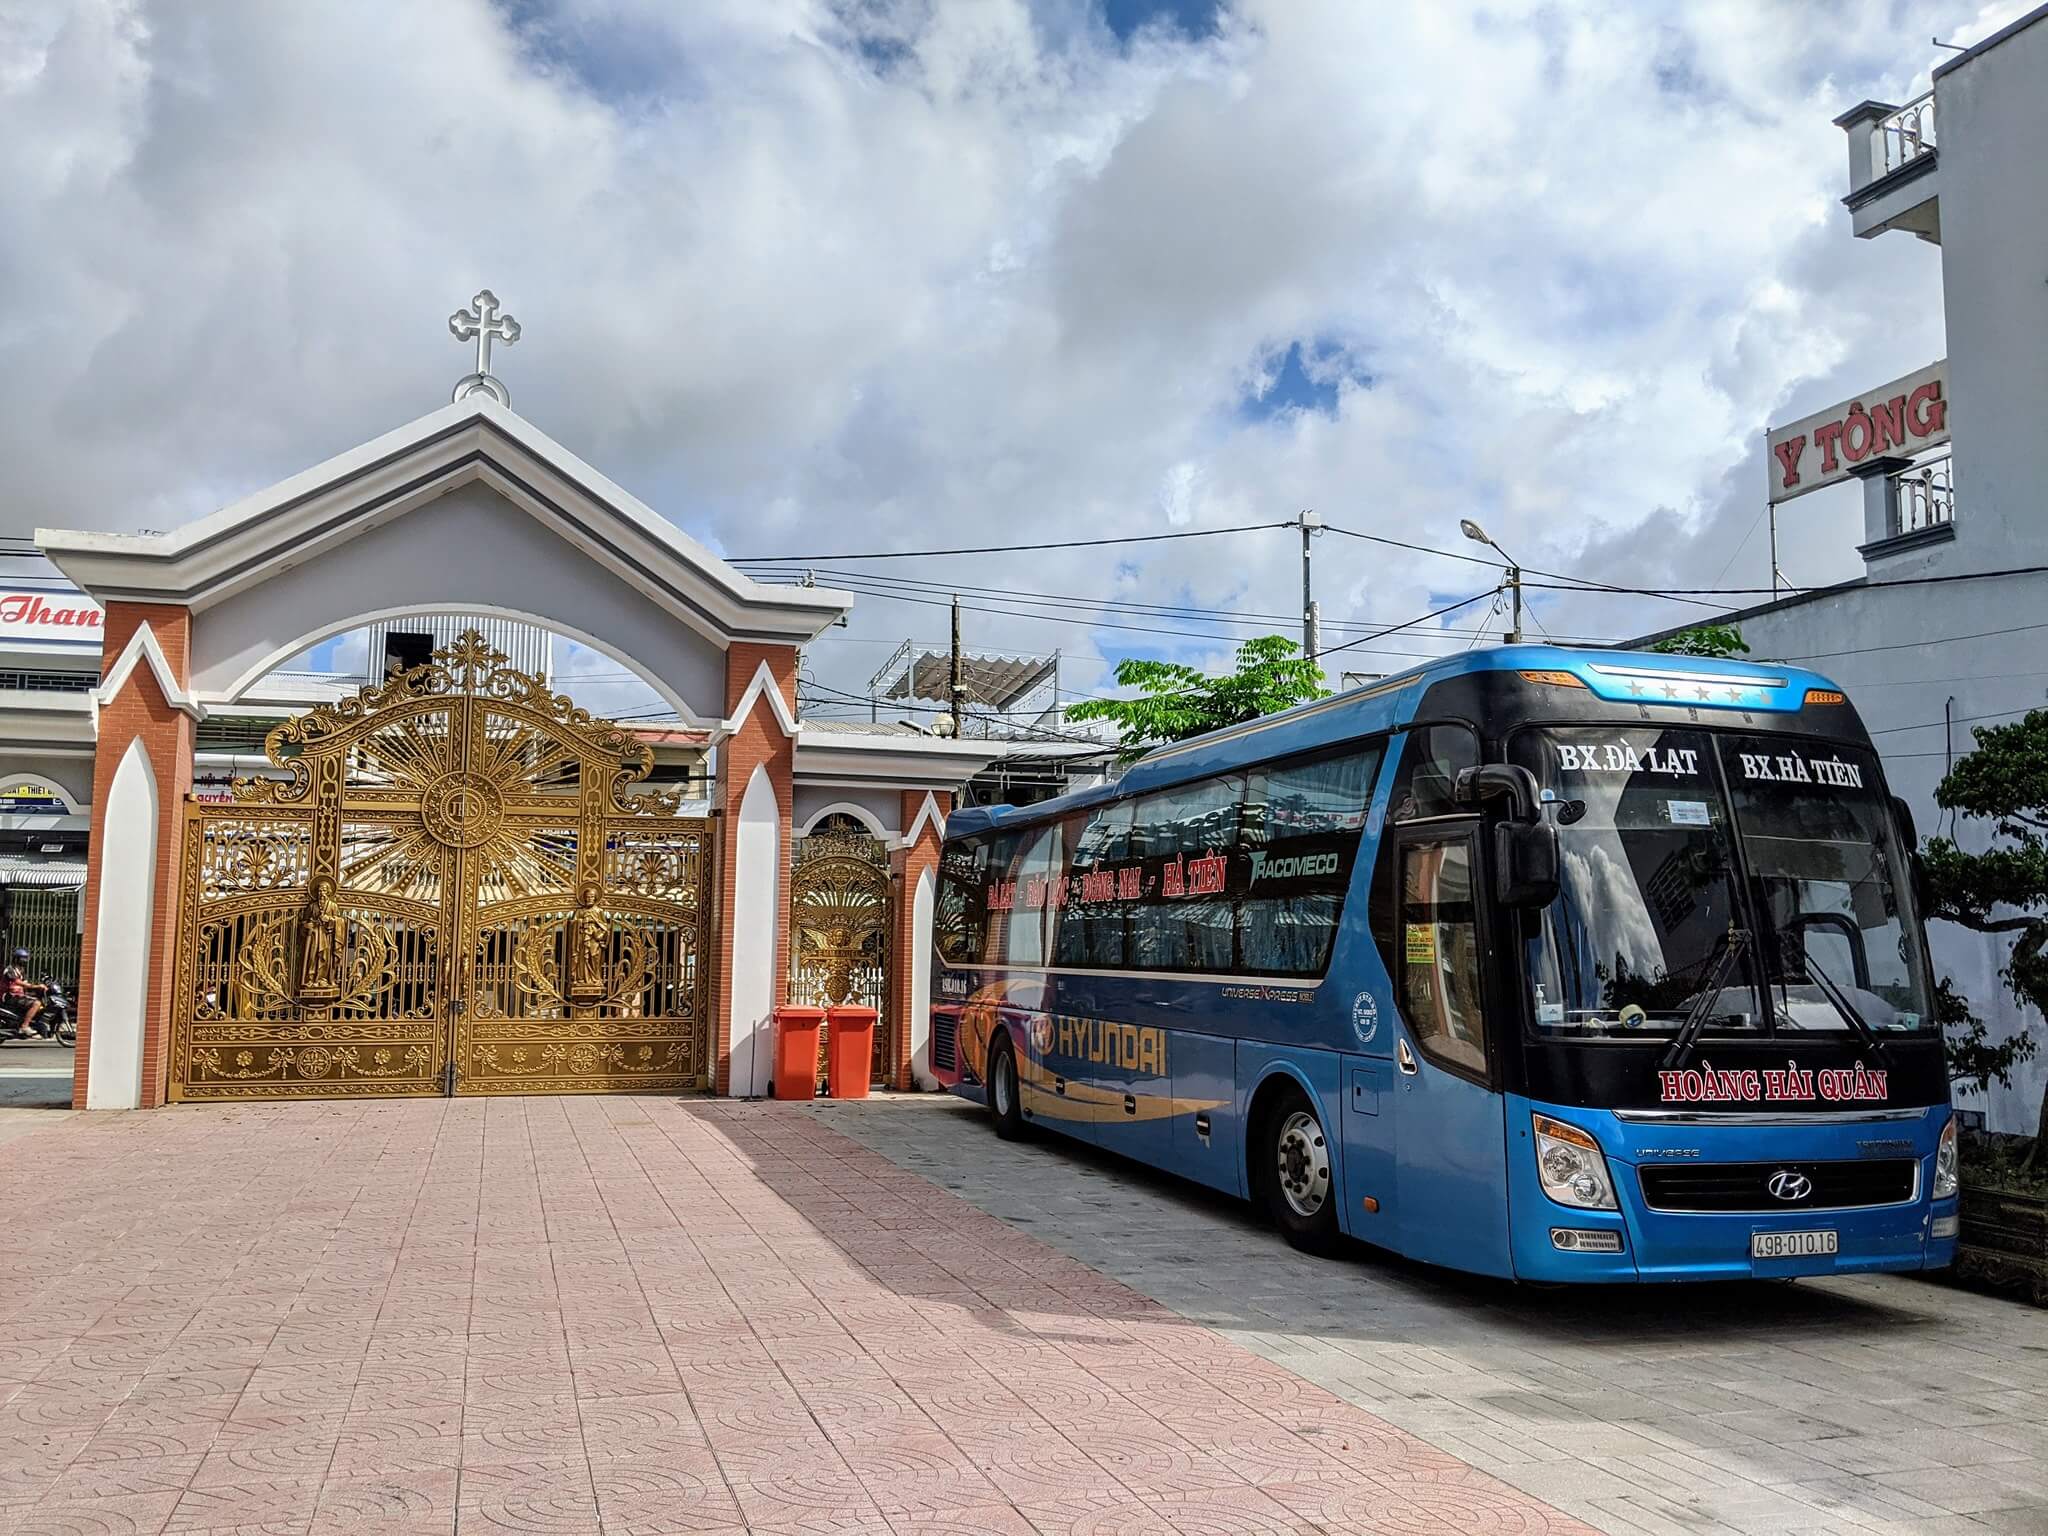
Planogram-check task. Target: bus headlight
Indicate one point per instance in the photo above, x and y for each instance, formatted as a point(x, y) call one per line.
point(1945, 1180)
point(1570, 1165)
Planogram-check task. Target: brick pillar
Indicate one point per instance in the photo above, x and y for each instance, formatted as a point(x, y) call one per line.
point(760, 740)
point(910, 945)
point(140, 710)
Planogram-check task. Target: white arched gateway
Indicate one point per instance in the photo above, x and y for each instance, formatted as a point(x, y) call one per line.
point(433, 904)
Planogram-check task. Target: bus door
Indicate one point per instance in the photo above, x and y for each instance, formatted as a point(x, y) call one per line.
point(1450, 1145)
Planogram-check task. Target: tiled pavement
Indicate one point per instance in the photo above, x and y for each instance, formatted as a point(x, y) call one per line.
point(621, 1315)
point(1881, 1404)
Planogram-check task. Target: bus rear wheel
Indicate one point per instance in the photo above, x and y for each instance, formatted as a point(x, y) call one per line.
point(1005, 1109)
point(1294, 1162)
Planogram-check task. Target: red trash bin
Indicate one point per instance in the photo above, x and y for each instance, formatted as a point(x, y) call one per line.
point(796, 1051)
point(850, 1050)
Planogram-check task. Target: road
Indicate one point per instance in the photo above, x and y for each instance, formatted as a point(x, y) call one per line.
point(1873, 1403)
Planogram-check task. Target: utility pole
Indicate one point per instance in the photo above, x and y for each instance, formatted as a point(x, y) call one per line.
point(957, 691)
point(1773, 511)
point(1311, 638)
point(1515, 587)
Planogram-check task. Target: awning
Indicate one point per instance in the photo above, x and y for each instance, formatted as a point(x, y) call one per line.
point(20, 869)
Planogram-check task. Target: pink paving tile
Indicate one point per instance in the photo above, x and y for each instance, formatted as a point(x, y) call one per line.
point(136, 1514)
point(670, 1315)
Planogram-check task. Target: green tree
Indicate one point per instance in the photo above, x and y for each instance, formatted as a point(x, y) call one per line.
point(2003, 890)
point(1719, 640)
point(1176, 702)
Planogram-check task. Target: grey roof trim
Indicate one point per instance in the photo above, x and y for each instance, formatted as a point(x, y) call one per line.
point(454, 468)
point(1736, 615)
point(2004, 32)
point(1905, 543)
point(1922, 164)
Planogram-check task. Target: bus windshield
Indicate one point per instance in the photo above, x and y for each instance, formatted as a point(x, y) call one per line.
point(1649, 897)
point(1833, 886)
point(1653, 856)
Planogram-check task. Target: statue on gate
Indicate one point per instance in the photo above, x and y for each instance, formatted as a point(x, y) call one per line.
point(322, 937)
point(590, 943)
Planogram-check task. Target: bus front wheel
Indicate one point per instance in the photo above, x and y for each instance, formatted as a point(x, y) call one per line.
point(1004, 1108)
point(1294, 1166)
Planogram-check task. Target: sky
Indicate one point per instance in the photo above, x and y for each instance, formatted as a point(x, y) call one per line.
point(830, 276)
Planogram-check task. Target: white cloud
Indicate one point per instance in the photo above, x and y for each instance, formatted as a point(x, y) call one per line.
point(815, 276)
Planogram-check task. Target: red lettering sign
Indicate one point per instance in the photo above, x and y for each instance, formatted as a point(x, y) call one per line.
point(1792, 1084)
point(49, 616)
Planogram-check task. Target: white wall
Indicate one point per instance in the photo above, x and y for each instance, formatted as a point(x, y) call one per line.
point(127, 906)
point(72, 775)
point(921, 983)
point(1894, 651)
point(471, 549)
point(1991, 113)
point(883, 807)
point(757, 866)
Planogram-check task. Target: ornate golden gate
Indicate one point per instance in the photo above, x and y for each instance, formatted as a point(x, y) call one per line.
point(839, 920)
point(453, 892)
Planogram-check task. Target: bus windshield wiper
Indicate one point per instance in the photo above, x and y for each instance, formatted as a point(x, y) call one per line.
point(1832, 990)
point(1703, 1006)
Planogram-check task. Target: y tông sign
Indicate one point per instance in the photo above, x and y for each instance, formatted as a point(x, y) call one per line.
point(1905, 417)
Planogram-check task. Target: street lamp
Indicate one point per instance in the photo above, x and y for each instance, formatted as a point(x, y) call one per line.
point(1479, 535)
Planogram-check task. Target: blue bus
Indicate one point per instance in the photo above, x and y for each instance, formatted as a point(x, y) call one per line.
point(1544, 963)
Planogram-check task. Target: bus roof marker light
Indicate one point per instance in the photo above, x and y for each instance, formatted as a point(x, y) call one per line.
point(1684, 675)
point(1555, 679)
point(1826, 696)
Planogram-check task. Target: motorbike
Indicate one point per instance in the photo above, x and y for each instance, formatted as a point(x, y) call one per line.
point(54, 1022)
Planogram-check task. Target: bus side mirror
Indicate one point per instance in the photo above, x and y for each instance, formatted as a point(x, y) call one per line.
point(1904, 813)
point(1525, 864)
point(1916, 867)
point(1500, 781)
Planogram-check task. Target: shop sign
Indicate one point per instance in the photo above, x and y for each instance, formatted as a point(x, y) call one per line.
point(25, 797)
point(1906, 417)
point(49, 614)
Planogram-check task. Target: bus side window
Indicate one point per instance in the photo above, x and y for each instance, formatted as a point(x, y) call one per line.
point(960, 921)
point(1036, 904)
point(1431, 758)
point(1102, 886)
point(1439, 953)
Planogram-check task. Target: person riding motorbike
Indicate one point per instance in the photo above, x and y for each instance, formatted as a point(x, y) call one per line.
point(22, 996)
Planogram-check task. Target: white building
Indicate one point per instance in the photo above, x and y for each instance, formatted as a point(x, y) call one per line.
point(1948, 626)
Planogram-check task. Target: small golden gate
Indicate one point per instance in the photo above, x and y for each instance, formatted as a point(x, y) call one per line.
point(839, 921)
point(452, 892)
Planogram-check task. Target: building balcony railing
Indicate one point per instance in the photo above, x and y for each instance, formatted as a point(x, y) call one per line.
point(1892, 158)
point(1905, 135)
point(1925, 495)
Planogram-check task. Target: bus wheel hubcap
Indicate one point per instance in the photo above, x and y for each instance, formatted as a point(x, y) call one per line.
point(1304, 1164)
point(1006, 1079)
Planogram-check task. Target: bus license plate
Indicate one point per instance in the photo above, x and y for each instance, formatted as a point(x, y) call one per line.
point(1791, 1245)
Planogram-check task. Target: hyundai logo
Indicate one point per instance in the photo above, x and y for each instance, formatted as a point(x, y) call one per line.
point(1787, 1185)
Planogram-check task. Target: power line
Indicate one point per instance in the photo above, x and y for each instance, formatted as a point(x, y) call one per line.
point(1006, 549)
point(2003, 714)
point(1122, 605)
point(1183, 633)
point(1909, 645)
point(1579, 583)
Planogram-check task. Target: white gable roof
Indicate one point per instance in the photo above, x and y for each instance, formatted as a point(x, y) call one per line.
point(474, 439)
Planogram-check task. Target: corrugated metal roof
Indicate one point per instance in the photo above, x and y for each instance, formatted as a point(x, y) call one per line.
point(26, 869)
point(997, 681)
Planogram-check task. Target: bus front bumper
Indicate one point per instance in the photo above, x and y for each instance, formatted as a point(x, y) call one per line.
point(1555, 1243)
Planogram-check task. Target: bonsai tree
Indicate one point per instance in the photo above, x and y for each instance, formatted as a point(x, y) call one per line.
point(2003, 890)
point(1176, 701)
point(1719, 640)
